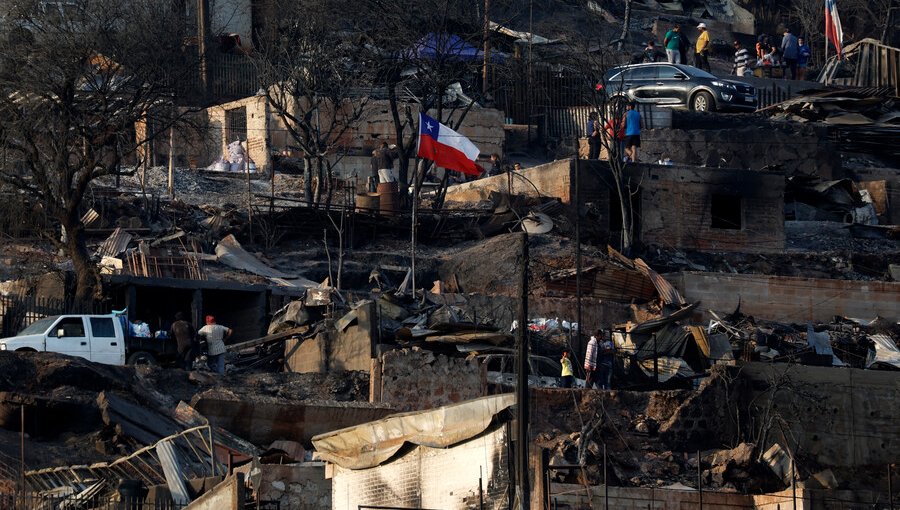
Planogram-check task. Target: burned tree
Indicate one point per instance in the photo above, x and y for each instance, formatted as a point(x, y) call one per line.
point(592, 58)
point(312, 73)
point(75, 79)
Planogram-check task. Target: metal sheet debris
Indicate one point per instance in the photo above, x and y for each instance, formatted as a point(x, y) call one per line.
point(230, 252)
point(371, 444)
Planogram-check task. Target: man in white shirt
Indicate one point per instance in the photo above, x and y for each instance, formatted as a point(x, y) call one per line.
point(215, 336)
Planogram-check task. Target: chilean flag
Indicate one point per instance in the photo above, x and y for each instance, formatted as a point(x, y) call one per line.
point(833, 31)
point(447, 148)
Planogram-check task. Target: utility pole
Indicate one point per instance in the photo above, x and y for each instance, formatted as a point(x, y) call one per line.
point(522, 385)
point(578, 249)
point(202, 32)
point(172, 162)
point(487, 48)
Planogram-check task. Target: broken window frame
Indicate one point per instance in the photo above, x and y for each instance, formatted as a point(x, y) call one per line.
point(236, 124)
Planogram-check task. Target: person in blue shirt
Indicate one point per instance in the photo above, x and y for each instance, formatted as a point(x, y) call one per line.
point(803, 58)
point(632, 132)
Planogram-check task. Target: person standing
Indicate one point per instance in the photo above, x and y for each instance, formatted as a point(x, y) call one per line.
point(183, 333)
point(650, 54)
point(593, 136)
point(701, 56)
point(590, 361)
point(615, 131)
point(384, 158)
point(673, 45)
point(802, 58)
point(605, 357)
point(215, 336)
point(568, 377)
point(495, 165)
point(685, 46)
point(741, 59)
point(632, 132)
point(790, 52)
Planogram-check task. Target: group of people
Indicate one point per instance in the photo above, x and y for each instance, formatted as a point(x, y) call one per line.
point(622, 130)
point(598, 363)
point(189, 342)
point(678, 46)
point(792, 55)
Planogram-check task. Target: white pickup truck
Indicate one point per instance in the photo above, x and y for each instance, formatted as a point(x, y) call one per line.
point(98, 338)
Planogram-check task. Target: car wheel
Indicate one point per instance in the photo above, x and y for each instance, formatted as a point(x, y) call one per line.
point(142, 358)
point(703, 102)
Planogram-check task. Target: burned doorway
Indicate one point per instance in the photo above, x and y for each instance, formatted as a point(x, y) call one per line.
point(242, 311)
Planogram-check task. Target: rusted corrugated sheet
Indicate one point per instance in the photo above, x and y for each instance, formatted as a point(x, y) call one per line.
point(606, 282)
point(115, 243)
point(669, 293)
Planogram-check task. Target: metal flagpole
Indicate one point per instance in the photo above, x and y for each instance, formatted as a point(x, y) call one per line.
point(415, 210)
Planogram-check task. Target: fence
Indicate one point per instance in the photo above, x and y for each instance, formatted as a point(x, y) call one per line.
point(772, 95)
point(231, 76)
point(17, 312)
point(571, 122)
point(35, 501)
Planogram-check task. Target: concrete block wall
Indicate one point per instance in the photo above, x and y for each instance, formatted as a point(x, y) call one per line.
point(805, 149)
point(790, 299)
point(676, 208)
point(551, 180)
point(295, 486)
point(841, 417)
point(424, 477)
point(572, 497)
point(416, 379)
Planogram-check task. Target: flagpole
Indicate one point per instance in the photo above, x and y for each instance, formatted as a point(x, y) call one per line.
point(415, 201)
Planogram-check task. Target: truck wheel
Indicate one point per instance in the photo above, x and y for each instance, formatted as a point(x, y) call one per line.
point(142, 358)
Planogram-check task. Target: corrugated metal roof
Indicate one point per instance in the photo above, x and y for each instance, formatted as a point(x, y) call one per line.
point(115, 244)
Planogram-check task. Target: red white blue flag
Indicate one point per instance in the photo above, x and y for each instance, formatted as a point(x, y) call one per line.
point(833, 30)
point(447, 148)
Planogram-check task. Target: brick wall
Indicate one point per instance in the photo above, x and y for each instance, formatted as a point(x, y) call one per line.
point(424, 477)
point(676, 208)
point(790, 299)
point(417, 379)
point(256, 130)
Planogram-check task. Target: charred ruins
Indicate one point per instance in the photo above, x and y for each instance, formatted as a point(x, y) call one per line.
point(397, 344)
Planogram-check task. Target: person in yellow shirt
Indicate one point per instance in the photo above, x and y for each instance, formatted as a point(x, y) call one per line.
point(568, 376)
point(701, 57)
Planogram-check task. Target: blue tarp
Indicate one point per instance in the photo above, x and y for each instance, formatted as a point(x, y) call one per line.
point(449, 47)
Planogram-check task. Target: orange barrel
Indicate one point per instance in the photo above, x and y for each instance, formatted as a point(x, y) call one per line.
point(367, 203)
point(389, 196)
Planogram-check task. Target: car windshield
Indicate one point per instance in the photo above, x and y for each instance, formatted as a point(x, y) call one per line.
point(39, 326)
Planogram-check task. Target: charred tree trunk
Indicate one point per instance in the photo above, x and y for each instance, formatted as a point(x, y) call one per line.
point(307, 180)
point(626, 25)
point(403, 159)
point(87, 277)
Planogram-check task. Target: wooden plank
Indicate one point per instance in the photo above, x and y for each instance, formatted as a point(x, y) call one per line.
point(277, 337)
